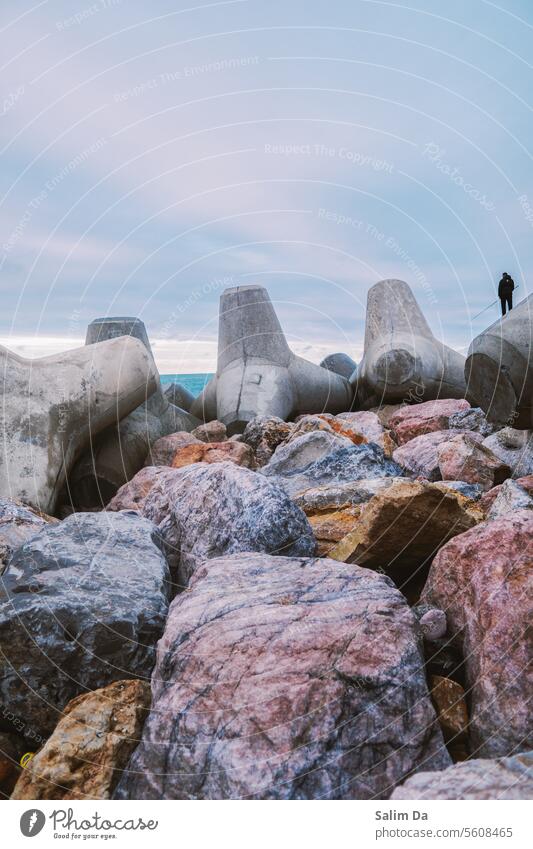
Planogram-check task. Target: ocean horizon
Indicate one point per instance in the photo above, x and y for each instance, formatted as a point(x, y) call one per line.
point(193, 382)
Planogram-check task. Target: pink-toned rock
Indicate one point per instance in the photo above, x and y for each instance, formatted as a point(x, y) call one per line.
point(162, 452)
point(214, 452)
point(430, 416)
point(285, 678)
point(488, 499)
point(419, 456)
point(464, 458)
point(133, 494)
point(483, 580)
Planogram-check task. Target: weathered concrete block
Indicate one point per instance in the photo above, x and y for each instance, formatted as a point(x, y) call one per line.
point(257, 373)
point(54, 406)
point(340, 364)
point(499, 368)
point(121, 450)
point(403, 361)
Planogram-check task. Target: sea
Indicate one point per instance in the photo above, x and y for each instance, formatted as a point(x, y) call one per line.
point(193, 382)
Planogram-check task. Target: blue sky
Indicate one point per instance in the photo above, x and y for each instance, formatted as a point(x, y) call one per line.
point(152, 154)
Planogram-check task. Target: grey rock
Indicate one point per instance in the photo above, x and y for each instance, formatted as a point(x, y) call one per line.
point(419, 457)
point(334, 494)
point(432, 621)
point(204, 511)
point(285, 678)
point(473, 419)
point(213, 431)
point(337, 461)
point(82, 604)
point(257, 373)
point(479, 778)
point(18, 523)
point(515, 448)
point(511, 497)
point(263, 434)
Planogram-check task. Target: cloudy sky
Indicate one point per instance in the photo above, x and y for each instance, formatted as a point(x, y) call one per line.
point(153, 154)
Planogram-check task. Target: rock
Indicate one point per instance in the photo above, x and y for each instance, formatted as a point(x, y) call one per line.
point(206, 511)
point(330, 526)
point(504, 778)
point(483, 580)
point(132, 495)
point(450, 703)
point(82, 604)
point(120, 451)
point(369, 425)
point(464, 458)
point(499, 371)
point(54, 406)
point(401, 528)
point(432, 621)
point(90, 746)
point(473, 419)
point(419, 456)
point(285, 678)
point(18, 522)
point(385, 412)
point(257, 373)
point(526, 483)
point(179, 396)
point(264, 434)
point(431, 416)
point(511, 497)
point(343, 494)
point(10, 754)
point(308, 424)
point(163, 450)
point(322, 459)
point(402, 360)
point(213, 431)
point(473, 491)
point(214, 452)
point(514, 448)
point(340, 364)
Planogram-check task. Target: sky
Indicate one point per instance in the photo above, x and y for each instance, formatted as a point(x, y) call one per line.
point(152, 155)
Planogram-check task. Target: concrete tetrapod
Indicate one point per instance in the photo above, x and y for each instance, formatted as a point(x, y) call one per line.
point(257, 373)
point(402, 359)
point(52, 407)
point(499, 368)
point(340, 364)
point(118, 454)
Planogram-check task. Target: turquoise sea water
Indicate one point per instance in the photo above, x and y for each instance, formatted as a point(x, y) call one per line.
point(193, 382)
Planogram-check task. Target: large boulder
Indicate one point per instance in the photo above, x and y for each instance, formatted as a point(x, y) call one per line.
point(263, 434)
point(417, 419)
point(82, 604)
point(53, 407)
point(321, 459)
point(403, 527)
point(483, 580)
point(502, 778)
point(369, 425)
point(419, 456)
point(285, 678)
point(464, 458)
point(90, 745)
point(18, 522)
point(514, 448)
point(204, 511)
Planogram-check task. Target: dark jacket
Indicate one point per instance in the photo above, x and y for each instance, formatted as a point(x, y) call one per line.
point(505, 286)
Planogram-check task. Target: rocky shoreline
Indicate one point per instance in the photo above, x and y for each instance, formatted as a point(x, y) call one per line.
point(333, 607)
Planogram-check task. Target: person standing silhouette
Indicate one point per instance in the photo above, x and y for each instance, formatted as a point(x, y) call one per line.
point(505, 292)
